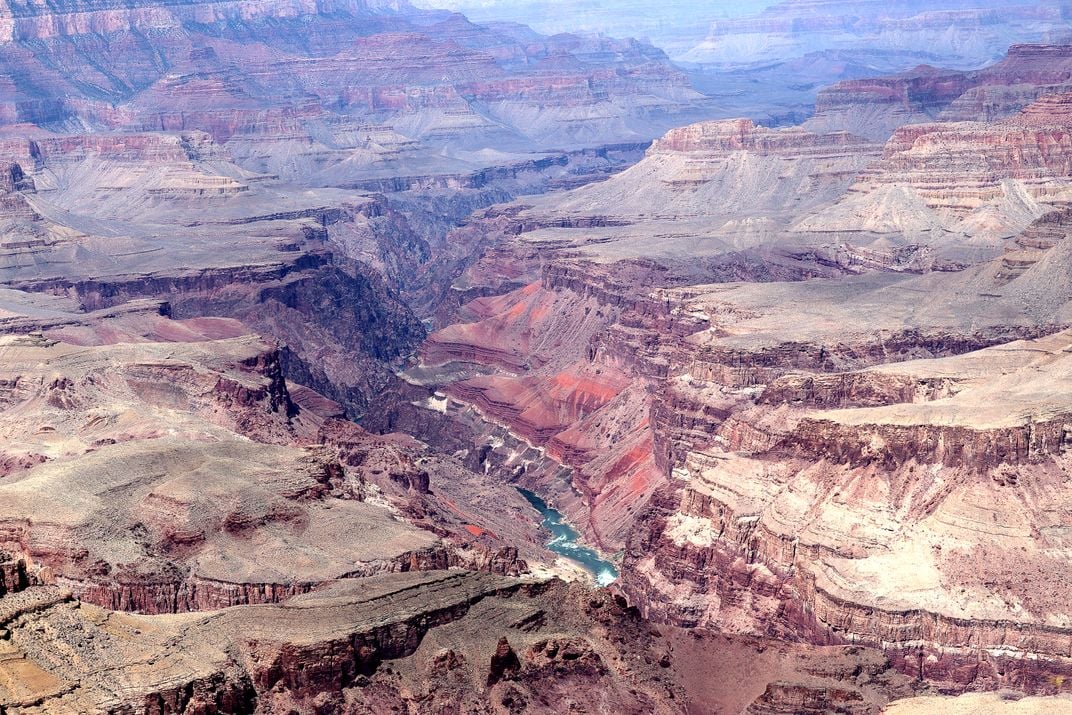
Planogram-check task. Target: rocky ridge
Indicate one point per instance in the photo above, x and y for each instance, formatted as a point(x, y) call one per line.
point(217, 247)
point(425, 641)
point(876, 106)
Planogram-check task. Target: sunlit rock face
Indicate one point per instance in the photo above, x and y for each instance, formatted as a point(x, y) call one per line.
point(181, 471)
point(294, 296)
point(841, 459)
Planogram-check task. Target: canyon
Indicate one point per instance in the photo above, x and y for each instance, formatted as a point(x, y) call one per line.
point(768, 61)
point(305, 307)
point(806, 386)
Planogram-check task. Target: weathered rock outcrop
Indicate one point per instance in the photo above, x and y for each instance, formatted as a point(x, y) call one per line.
point(563, 385)
point(885, 505)
point(961, 188)
point(604, 358)
point(875, 107)
point(835, 462)
point(179, 471)
point(415, 641)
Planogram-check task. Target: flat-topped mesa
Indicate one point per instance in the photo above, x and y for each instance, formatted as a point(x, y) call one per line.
point(162, 164)
point(917, 505)
point(1033, 63)
point(1004, 405)
point(961, 188)
point(1027, 73)
point(702, 196)
point(743, 135)
point(376, 79)
point(133, 147)
point(892, 445)
point(234, 240)
point(195, 448)
point(924, 88)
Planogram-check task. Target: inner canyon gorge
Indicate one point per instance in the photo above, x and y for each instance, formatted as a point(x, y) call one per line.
point(361, 357)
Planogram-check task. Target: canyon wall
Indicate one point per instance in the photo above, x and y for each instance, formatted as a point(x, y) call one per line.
point(873, 455)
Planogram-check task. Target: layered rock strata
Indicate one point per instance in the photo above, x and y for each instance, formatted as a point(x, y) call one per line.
point(968, 35)
point(424, 642)
point(874, 459)
point(162, 466)
point(875, 107)
point(350, 91)
point(961, 188)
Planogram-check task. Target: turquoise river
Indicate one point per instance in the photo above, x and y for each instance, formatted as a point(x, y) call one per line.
point(564, 541)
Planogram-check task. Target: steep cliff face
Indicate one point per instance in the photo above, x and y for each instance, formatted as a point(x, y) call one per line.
point(424, 642)
point(329, 272)
point(210, 482)
point(818, 498)
point(719, 201)
point(829, 505)
point(181, 472)
point(977, 183)
point(875, 107)
point(574, 348)
point(860, 459)
point(704, 204)
point(728, 179)
point(823, 460)
point(556, 388)
point(109, 219)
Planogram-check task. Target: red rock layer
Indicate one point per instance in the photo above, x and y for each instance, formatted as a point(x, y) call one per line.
point(1000, 90)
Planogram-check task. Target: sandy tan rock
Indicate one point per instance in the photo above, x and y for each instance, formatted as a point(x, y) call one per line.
point(982, 704)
